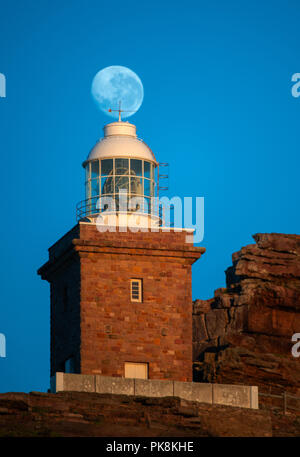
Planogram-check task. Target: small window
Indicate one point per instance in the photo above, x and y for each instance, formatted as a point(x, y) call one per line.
point(136, 370)
point(70, 365)
point(136, 290)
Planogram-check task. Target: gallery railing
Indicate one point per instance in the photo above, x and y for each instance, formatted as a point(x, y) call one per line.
point(91, 207)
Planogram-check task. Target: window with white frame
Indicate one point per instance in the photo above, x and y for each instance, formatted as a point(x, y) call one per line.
point(136, 292)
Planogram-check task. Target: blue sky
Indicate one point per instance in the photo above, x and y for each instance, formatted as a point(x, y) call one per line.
point(217, 107)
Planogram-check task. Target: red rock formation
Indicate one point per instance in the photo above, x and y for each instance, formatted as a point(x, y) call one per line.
point(88, 414)
point(243, 334)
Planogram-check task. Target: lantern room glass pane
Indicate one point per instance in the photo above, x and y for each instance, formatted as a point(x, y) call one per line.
point(95, 169)
point(136, 204)
point(106, 167)
point(107, 185)
point(87, 171)
point(152, 188)
point(136, 167)
point(121, 167)
point(87, 190)
point(121, 182)
point(147, 170)
point(106, 203)
point(93, 205)
point(121, 202)
point(147, 205)
point(147, 187)
point(95, 187)
point(136, 186)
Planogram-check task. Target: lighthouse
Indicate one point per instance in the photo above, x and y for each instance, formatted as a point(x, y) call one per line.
point(121, 298)
point(120, 180)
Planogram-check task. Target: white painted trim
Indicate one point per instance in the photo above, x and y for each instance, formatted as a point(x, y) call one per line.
point(156, 229)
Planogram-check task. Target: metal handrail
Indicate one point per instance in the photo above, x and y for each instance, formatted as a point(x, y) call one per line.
point(88, 207)
point(284, 396)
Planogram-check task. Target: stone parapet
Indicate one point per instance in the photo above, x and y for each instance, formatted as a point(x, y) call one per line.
point(221, 394)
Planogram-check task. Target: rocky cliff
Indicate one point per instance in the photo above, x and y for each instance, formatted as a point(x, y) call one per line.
point(243, 334)
point(90, 414)
point(67, 414)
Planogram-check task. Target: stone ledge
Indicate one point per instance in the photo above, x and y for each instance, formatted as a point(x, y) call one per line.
point(221, 394)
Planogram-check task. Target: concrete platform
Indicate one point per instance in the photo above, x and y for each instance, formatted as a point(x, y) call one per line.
point(221, 394)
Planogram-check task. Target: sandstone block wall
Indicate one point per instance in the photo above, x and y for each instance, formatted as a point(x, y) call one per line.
point(102, 328)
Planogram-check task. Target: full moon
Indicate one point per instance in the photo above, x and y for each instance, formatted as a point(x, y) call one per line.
point(117, 84)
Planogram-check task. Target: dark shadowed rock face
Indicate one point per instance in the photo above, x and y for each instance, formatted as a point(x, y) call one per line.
point(89, 414)
point(243, 334)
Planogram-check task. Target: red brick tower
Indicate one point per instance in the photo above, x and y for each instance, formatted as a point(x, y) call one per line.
point(121, 302)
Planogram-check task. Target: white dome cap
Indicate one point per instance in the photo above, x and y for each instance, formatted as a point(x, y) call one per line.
point(120, 140)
